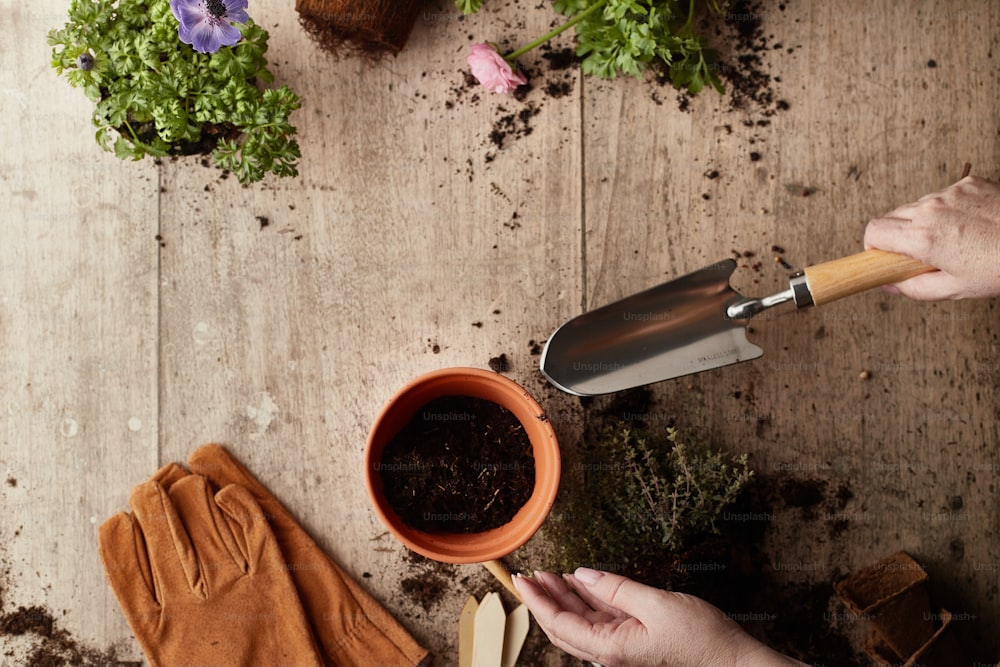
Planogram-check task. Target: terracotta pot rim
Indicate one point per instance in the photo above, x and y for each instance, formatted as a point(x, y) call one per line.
point(477, 383)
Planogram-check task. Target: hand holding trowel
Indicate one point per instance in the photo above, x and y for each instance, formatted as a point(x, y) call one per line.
point(695, 323)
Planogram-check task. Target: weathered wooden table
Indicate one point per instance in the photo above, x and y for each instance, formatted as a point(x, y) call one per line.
point(144, 309)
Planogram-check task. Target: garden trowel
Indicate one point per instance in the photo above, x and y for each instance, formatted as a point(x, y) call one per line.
point(695, 323)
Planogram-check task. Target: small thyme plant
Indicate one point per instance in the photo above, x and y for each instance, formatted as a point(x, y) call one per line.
point(179, 78)
point(643, 499)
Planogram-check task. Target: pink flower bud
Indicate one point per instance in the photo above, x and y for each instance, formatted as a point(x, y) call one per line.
point(491, 70)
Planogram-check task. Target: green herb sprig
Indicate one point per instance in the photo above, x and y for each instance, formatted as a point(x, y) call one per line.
point(628, 36)
point(157, 96)
point(649, 496)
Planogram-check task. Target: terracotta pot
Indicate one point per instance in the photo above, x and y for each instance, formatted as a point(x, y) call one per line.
point(892, 594)
point(467, 547)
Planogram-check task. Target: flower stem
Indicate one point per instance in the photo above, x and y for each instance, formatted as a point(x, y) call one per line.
point(690, 19)
point(135, 139)
point(514, 55)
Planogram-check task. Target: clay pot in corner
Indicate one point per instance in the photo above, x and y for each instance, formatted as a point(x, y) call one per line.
point(892, 595)
point(467, 547)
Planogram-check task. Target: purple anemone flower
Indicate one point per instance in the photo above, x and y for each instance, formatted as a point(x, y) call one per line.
point(207, 25)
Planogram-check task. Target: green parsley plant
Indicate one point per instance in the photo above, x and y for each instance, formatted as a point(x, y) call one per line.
point(627, 36)
point(157, 96)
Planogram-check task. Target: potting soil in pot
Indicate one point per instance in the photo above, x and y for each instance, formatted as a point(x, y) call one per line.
point(460, 465)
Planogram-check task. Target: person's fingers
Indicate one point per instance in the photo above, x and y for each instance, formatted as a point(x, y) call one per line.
point(561, 594)
point(881, 232)
point(617, 592)
point(588, 598)
point(537, 597)
point(903, 211)
point(543, 608)
point(901, 236)
point(659, 602)
point(934, 286)
point(565, 629)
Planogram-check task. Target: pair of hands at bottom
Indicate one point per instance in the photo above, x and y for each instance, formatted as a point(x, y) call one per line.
point(618, 622)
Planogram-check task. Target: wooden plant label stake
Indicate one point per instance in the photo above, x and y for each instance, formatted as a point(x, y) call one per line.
point(514, 634)
point(487, 647)
point(466, 631)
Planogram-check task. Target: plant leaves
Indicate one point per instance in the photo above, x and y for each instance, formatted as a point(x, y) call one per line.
point(143, 76)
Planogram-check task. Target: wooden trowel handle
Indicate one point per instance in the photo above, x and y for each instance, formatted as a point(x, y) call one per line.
point(842, 277)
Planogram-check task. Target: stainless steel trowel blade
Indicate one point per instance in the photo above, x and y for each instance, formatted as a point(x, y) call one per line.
point(671, 330)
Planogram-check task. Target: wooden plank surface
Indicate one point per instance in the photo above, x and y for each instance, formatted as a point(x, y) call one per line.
point(78, 341)
point(401, 249)
point(869, 126)
point(411, 242)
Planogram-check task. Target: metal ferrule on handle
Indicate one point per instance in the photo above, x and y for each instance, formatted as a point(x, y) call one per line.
point(801, 293)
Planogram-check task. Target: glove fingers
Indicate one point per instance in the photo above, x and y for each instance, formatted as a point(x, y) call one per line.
point(250, 528)
point(126, 565)
point(222, 469)
point(172, 559)
point(219, 557)
point(350, 624)
point(168, 475)
point(219, 467)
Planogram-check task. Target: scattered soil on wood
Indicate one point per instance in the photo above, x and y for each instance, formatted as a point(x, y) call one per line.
point(738, 35)
point(430, 581)
point(32, 636)
point(742, 67)
point(500, 364)
point(511, 125)
point(559, 77)
point(555, 76)
point(426, 589)
point(461, 465)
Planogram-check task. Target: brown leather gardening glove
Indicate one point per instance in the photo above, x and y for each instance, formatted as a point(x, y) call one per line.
point(352, 628)
point(201, 578)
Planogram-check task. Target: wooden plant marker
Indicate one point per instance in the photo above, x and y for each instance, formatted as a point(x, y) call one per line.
point(466, 631)
point(487, 645)
point(514, 635)
point(487, 636)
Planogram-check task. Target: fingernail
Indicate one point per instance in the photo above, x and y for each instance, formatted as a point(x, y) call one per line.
point(587, 576)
